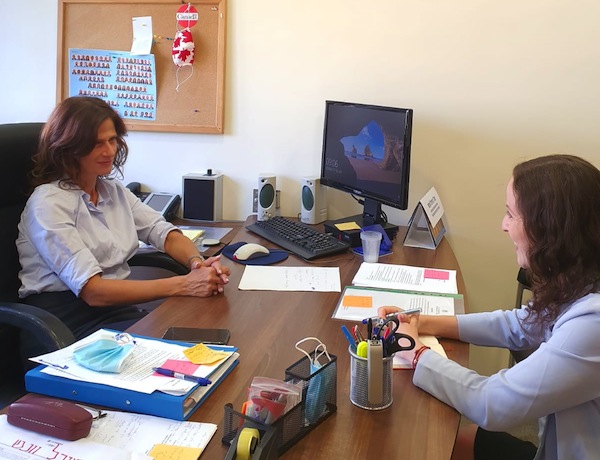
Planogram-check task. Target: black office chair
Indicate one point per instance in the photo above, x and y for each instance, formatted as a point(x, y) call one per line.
point(523, 284)
point(18, 142)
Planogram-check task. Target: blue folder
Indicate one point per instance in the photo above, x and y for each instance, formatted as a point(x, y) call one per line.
point(156, 403)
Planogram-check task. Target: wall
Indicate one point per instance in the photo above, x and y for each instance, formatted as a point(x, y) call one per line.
point(491, 83)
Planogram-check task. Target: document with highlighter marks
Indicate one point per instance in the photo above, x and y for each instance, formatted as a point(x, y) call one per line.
point(406, 277)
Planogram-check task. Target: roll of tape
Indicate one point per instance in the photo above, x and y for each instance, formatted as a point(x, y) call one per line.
point(247, 441)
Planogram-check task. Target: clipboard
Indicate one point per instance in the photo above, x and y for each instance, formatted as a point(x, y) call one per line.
point(357, 303)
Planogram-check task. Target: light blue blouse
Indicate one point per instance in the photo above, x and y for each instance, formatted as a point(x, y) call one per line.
point(559, 384)
point(64, 239)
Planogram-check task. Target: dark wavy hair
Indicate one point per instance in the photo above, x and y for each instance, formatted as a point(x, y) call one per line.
point(71, 133)
point(558, 197)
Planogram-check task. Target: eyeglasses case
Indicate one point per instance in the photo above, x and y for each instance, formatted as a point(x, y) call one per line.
point(51, 417)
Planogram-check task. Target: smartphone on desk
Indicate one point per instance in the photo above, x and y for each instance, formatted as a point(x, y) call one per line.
point(198, 335)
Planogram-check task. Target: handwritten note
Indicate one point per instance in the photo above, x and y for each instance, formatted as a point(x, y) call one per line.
point(118, 436)
point(317, 279)
point(166, 452)
point(201, 354)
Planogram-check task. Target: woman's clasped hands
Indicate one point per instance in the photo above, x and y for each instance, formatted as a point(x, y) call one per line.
point(206, 277)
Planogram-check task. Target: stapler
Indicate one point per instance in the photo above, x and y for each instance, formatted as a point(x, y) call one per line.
point(254, 442)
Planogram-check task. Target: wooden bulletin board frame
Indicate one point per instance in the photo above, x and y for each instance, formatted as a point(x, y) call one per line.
point(107, 25)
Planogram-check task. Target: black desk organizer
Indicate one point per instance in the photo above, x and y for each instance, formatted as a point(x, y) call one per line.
point(293, 425)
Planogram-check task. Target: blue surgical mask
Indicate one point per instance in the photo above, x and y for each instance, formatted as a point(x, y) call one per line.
point(320, 383)
point(108, 354)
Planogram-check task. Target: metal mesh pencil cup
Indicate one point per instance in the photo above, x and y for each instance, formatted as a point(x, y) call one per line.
point(359, 382)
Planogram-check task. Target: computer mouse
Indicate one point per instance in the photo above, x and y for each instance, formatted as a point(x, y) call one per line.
point(250, 251)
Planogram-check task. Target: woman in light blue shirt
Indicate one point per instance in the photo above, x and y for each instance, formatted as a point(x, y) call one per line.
point(553, 219)
point(80, 226)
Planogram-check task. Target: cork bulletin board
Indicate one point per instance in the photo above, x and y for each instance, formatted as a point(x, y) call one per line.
point(107, 25)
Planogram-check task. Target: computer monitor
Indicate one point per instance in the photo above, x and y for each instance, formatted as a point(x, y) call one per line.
point(366, 152)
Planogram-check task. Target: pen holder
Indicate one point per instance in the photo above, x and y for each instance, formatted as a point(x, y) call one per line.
point(370, 390)
point(319, 397)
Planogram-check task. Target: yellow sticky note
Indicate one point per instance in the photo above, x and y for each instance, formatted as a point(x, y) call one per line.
point(347, 226)
point(201, 354)
point(192, 234)
point(359, 301)
point(165, 452)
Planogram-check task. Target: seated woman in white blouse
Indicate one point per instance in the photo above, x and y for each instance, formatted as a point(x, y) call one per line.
point(80, 226)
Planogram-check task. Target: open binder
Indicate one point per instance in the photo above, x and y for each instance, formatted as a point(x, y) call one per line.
point(156, 403)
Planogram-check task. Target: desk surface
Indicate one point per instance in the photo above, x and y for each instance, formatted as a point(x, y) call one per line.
point(265, 325)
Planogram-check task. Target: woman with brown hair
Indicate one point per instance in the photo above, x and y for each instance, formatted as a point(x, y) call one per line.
point(80, 226)
point(553, 218)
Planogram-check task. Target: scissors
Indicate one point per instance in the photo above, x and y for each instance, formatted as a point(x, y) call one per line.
point(392, 343)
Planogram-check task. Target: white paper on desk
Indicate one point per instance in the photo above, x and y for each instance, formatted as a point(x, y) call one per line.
point(406, 277)
point(137, 374)
point(19, 444)
point(266, 278)
point(357, 303)
point(118, 435)
point(140, 433)
point(428, 340)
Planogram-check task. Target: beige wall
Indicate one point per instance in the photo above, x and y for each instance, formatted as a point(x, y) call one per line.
point(491, 83)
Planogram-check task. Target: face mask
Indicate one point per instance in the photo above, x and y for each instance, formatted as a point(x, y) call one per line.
point(183, 52)
point(320, 383)
point(108, 354)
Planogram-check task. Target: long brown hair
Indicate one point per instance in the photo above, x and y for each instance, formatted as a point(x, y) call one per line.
point(71, 133)
point(558, 197)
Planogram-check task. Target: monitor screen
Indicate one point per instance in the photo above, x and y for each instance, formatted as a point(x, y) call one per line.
point(366, 152)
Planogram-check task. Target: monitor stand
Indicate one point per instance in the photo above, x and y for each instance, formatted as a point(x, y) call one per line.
point(353, 236)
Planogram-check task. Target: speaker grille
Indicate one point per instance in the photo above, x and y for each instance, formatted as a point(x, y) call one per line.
point(308, 199)
point(266, 195)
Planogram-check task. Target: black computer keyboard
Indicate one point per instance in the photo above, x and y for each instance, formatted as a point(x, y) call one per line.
point(298, 238)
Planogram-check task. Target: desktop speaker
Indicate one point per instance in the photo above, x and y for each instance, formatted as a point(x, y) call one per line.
point(203, 196)
point(313, 209)
point(267, 194)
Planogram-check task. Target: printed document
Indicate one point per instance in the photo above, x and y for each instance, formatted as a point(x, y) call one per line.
point(358, 303)
point(407, 278)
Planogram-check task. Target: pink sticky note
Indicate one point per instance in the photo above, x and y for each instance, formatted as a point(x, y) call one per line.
point(436, 274)
point(184, 367)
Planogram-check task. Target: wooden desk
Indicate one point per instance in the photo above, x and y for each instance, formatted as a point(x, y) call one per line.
point(265, 325)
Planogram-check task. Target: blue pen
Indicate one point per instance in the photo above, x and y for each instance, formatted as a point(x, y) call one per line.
point(178, 375)
point(349, 337)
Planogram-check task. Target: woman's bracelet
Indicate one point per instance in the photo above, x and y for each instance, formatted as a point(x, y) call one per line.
point(418, 354)
point(198, 256)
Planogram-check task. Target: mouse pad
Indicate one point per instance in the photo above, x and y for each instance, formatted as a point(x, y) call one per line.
point(274, 256)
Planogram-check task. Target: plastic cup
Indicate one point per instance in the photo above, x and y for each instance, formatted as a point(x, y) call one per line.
point(370, 245)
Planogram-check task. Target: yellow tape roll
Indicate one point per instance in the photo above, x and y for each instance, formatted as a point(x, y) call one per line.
point(245, 443)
